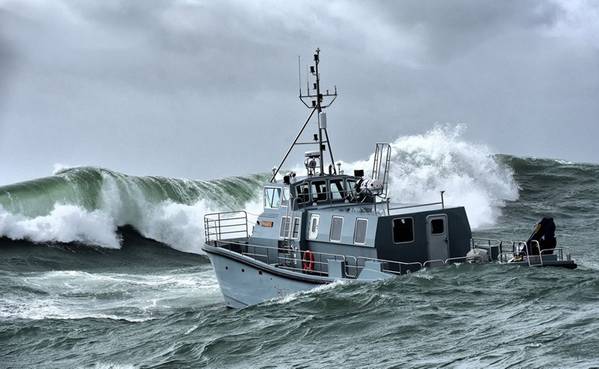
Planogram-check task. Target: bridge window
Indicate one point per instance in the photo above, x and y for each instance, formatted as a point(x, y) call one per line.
point(296, 228)
point(336, 227)
point(337, 191)
point(285, 198)
point(403, 230)
point(360, 231)
point(351, 190)
point(272, 197)
point(319, 191)
point(285, 223)
point(302, 193)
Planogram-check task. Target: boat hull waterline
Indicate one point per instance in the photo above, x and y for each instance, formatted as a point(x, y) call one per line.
point(245, 281)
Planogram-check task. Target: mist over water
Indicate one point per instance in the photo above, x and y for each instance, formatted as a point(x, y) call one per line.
point(91, 274)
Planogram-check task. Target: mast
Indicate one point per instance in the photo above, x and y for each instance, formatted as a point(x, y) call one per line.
point(316, 104)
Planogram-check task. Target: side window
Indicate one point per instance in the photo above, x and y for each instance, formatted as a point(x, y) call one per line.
point(313, 230)
point(403, 230)
point(272, 197)
point(437, 226)
point(360, 231)
point(336, 227)
point(296, 228)
point(285, 223)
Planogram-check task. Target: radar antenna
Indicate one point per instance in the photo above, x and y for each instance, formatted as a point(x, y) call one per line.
point(314, 99)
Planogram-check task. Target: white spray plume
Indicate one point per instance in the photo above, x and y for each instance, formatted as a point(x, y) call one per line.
point(65, 223)
point(440, 160)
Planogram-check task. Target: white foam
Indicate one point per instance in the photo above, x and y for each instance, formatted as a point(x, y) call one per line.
point(59, 167)
point(117, 296)
point(65, 223)
point(294, 296)
point(440, 160)
point(102, 365)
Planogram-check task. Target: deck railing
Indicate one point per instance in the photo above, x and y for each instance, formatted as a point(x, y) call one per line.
point(226, 225)
point(507, 250)
point(291, 259)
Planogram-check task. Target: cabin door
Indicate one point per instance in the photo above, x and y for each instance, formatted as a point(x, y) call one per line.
point(437, 237)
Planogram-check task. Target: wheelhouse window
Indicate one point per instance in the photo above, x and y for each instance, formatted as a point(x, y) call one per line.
point(403, 230)
point(437, 226)
point(360, 231)
point(336, 189)
point(336, 227)
point(296, 228)
point(285, 223)
point(319, 191)
point(272, 197)
point(302, 193)
point(285, 198)
point(351, 190)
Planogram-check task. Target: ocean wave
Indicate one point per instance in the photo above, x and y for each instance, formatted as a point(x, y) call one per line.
point(87, 205)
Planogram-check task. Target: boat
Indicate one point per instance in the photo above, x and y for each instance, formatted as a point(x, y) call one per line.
point(328, 226)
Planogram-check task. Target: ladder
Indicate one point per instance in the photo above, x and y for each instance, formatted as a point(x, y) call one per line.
point(380, 165)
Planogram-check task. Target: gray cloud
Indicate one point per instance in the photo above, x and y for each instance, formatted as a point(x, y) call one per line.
point(203, 89)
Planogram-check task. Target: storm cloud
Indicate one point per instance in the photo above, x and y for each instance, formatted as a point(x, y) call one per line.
point(204, 89)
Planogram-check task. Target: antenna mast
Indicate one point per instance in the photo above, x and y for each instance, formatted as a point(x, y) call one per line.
point(316, 104)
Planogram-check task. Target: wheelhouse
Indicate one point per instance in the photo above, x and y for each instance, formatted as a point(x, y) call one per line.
point(324, 190)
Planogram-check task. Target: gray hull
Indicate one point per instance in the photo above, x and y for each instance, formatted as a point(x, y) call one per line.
point(245, 281)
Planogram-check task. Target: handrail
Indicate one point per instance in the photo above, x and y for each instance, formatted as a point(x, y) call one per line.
point(416, 206)
point(214, 223)
point(329, 203)
point(398, 263)
point(429, 262)
point(519, 246)
point(353, 264)
point(269, 257)
point(455, 259)
point(319, 257)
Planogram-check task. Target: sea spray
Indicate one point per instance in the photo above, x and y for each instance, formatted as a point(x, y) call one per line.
point(440, 160)
point(65, 223)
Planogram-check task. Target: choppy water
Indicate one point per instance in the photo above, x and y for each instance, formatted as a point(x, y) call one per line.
point(82, 283)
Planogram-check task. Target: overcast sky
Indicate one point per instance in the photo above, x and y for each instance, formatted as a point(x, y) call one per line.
point(204, 89)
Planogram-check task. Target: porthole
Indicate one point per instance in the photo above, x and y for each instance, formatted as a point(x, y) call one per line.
point(260, 272)
point(242, 270)
point(226, 268)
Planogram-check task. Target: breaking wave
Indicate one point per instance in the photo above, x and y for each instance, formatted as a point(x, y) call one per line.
point(87, 205)
point(440, 160)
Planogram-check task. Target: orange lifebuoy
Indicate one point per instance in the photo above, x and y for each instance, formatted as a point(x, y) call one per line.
point(308, 261)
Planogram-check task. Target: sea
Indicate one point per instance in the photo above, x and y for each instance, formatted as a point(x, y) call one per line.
point(100, 269)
